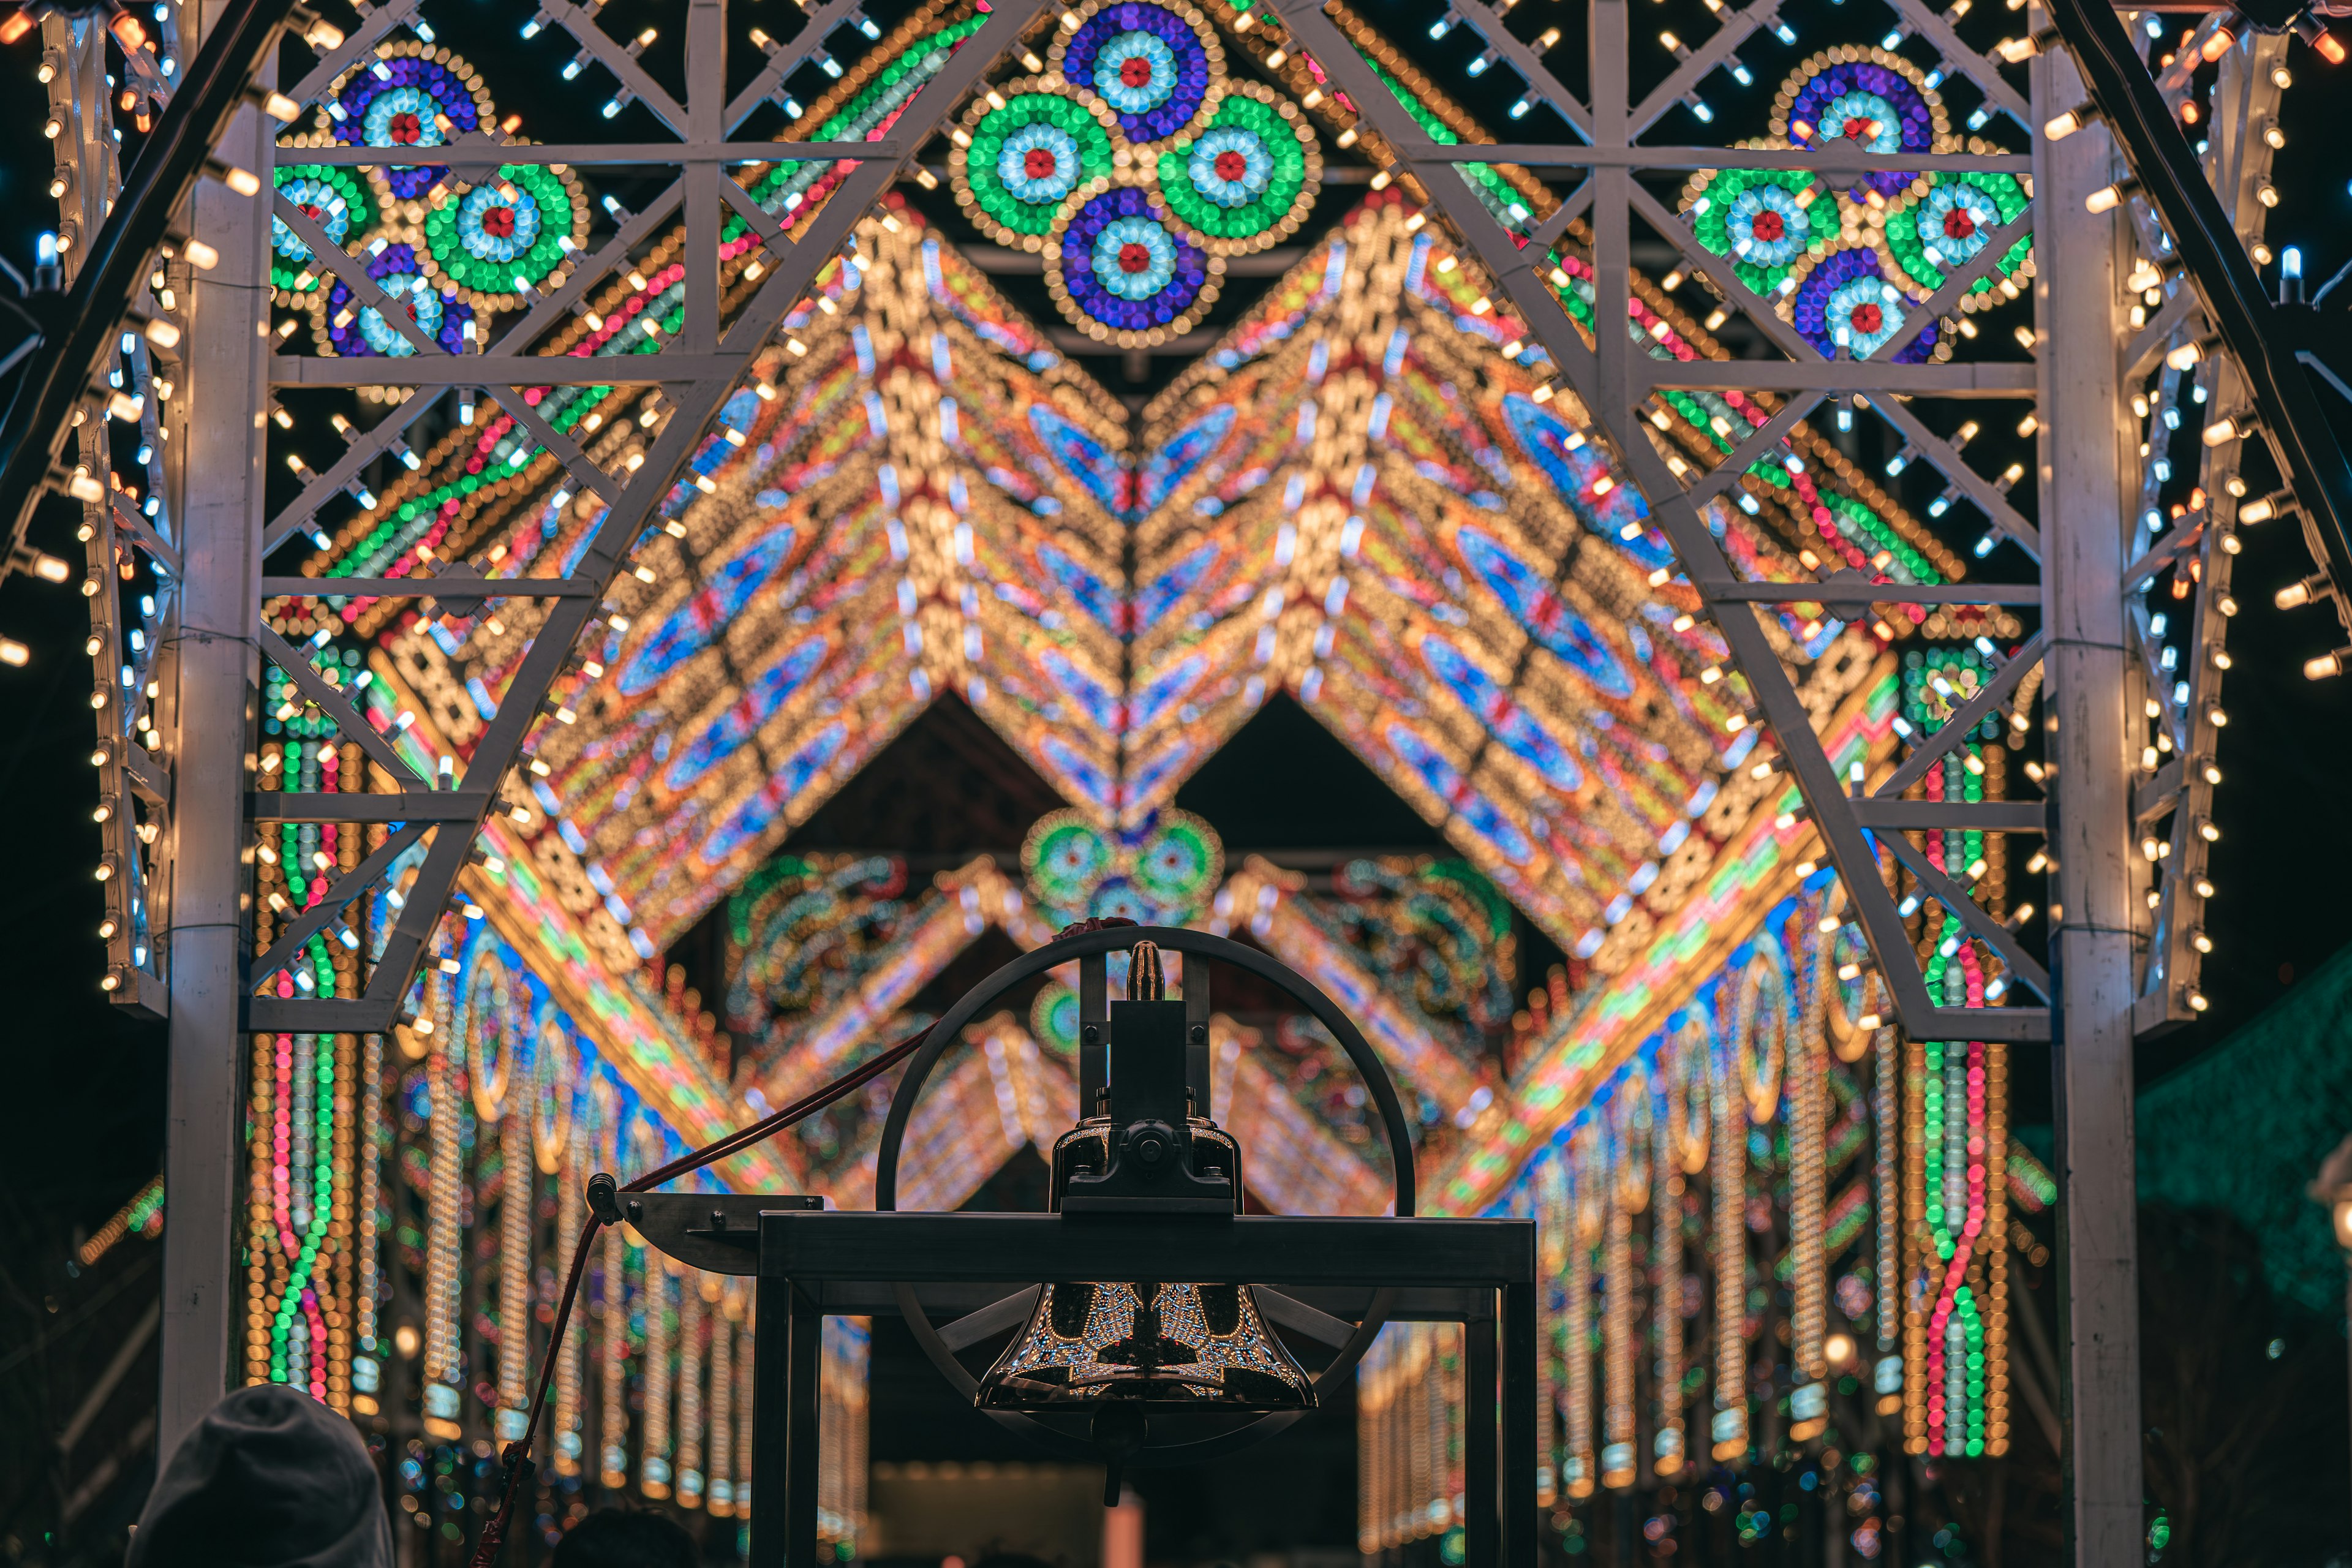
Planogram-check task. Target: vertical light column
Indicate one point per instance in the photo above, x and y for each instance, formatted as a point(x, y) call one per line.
point(721, 1459)
point(1667, 1262)
point(213, 668)
point(1583, 1223)
point(1809, 1180)
point(1552, 1226)
point(1886, 1375)
point(743, 1388)
point(690, 1389)
point(445, 1241)
point(518, 1190)
point(367, 1362)
point(1617, 1350)
point(613, 1367)
point(653, 1464)
point(341, 1104)
point(1371, 1429)
point(2082, 502)
point(1728, 1200)
point(566, 1444)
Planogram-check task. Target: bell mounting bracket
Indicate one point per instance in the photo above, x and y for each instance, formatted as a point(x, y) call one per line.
point(1098, 1085)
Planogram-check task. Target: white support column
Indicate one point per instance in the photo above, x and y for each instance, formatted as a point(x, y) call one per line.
point(2083, 527)
point(216, 670)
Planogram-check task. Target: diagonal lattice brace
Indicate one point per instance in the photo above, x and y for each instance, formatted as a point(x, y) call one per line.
point(365, 449)
point(595, 268)
point(1684, 79)
point(567, 451)
point(1956, 284)
point(1966, 715)
point(699, 384)
point(333, 703)
point(821, 25)
point(338, 897)
point(1602, 375)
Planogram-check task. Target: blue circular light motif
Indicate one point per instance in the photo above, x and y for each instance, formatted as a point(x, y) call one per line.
point(1120, 269)
point(1223, 144)
point(1794, 228)
point(424, 308)
point(1863, 314)
point(1865, 118)
point(1149, 65)
point(323, 202)
point(1013, 163)
point(1955, 222)
point(403, 117)
point(1135, 72)
point(486, 210)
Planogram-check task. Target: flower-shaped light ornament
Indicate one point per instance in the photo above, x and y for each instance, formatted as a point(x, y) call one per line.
point(1762, 220)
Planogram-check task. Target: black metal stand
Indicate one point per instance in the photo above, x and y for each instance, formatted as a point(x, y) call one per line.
point(1478, 1272)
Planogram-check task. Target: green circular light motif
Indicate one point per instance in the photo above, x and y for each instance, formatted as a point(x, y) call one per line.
point(1711, 227)
point(1054, 1019)
point(358, 197)
point(486, 276)
point(1904, 244)
point(987, 185)
point(1178, 864)
point(1285, 182)
point(1064, 861)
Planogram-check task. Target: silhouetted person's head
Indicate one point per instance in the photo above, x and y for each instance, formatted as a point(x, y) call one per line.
point(269, 1478)
point(623, 1538)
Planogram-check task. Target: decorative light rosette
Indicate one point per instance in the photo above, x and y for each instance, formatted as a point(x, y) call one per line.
point(411, 95)
point(1164, 870)
point(1026, 159)
point(1180, 861)
point(1879, 101)
point(1932, 230)
point(517, 227)
point(346, 327)
point(1248, 180)
point(344, 201)
point(1115, 267)
point(1845, 300)
point(1064, 856)
point(1764, 220)
point(1159, 68)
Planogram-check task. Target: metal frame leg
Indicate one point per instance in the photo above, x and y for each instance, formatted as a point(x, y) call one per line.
point(805, 1383)
point(771, 1396)
point(1521, 1446)
point(1481, 1496)
point(2091, 951)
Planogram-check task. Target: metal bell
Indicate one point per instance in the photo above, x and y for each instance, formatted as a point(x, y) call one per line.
point(1185, 1346)
point(1148, 1146)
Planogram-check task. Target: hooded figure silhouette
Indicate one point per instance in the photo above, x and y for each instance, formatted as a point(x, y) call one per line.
point(269, 1478)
